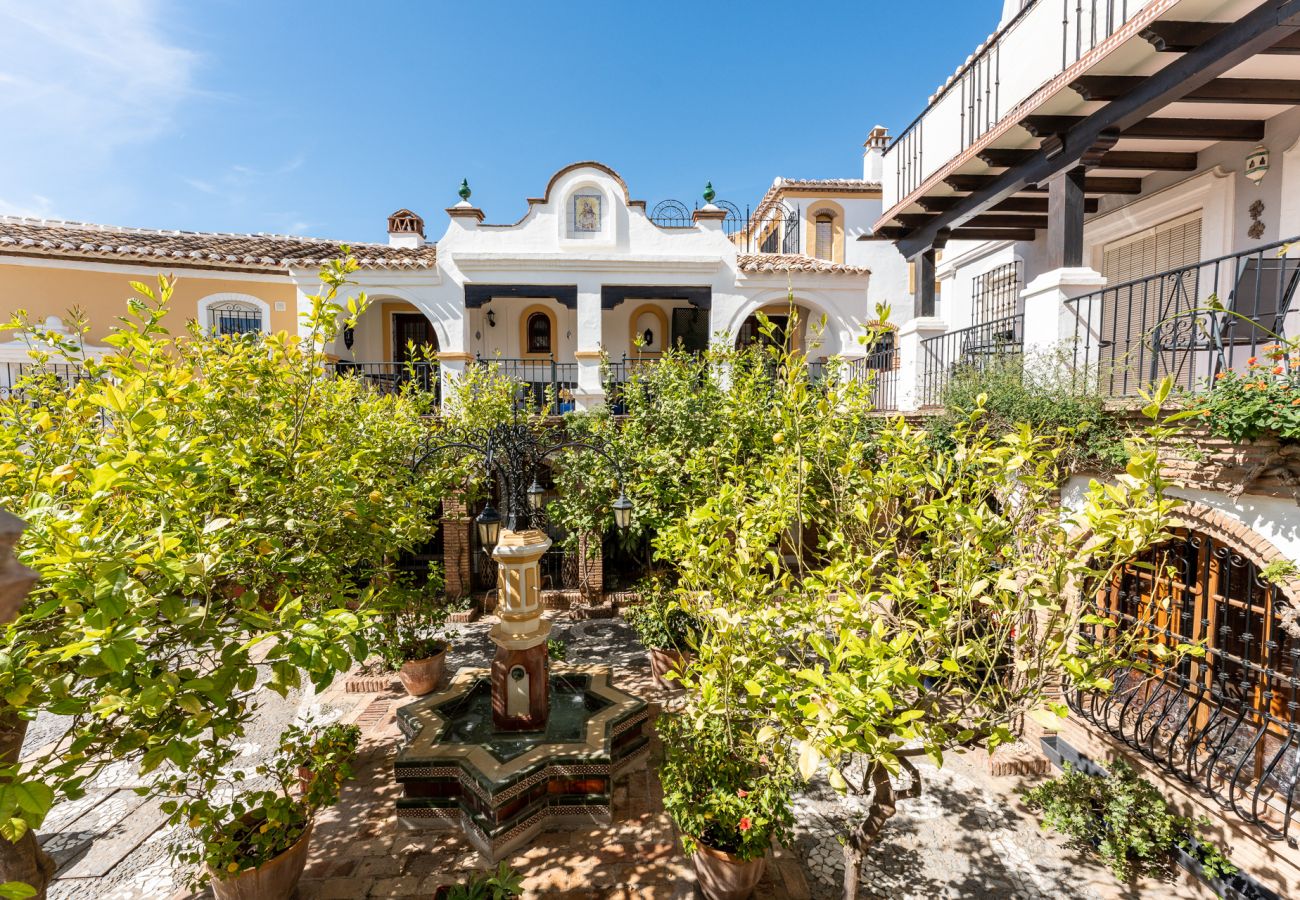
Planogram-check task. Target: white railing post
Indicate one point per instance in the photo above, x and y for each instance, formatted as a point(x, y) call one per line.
point(911, 364)
point(1052, 323)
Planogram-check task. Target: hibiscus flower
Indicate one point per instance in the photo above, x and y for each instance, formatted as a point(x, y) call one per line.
point(745, 824)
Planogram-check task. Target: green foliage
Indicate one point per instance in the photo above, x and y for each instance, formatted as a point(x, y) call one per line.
point(722, 789)
point(16, 890)
point(306, 773)
point(1263, 401)
point(409, 626)
point(557, 649)
point(502, 884)
point(1123, 820)
point(1042, 392)
point(199, 510)
point(659, 619)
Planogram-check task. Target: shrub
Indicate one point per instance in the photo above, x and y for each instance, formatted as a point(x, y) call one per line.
point(721, 788)
point(1043, 393)
point(1123, 820)
point(1263, 401)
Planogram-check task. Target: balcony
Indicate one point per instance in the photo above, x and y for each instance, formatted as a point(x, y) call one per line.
point(1039, 43)
point(1129, 336)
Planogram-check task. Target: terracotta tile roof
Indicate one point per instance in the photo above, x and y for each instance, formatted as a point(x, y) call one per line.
point(790, 262)
point(212, 250)
point(825, 185)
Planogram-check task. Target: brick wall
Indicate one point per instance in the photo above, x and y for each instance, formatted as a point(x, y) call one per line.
point(591, 568)
point(456, 546)
point(1205, 462)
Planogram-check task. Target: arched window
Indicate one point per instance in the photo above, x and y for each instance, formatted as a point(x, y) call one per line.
point(824, 238)
point(1227, 720)
point(539, 333)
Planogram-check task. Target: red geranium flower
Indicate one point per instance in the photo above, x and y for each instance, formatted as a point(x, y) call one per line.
point(1252, 360)
point(745, 824)
point(742, 793)
point(1278, 370)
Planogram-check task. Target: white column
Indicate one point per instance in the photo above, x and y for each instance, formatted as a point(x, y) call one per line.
point(451, 369)
point(591, 390)
point(1053, 325)
point(912, 361)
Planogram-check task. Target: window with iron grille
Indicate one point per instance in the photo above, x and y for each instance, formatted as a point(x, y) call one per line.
point(996, 293)
point(1225, 721)
point(539, 333)
point(235, 318)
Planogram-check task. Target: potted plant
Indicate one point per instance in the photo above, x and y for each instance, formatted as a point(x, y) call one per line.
point(254, 846)
point(409, 638)
point(728, 797)
point(667, 630)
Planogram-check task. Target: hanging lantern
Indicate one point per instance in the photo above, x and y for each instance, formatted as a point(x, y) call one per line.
point(622, 512)
point(1257, 164)
point(489, 527)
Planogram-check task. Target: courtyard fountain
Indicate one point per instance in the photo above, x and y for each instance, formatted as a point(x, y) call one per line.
point(506, 752)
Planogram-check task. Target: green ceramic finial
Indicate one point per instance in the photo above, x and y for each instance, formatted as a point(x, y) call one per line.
point(708, 192)
point(464, 189)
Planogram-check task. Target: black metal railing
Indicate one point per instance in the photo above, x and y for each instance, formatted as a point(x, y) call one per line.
point(16, 376)
point(1129, 336)
point(391, 377)
point(979, 84)
point(972, 349)
point(223, 320)
point(1227, 722)
point(881, 366)
point(542, 382)
point(768, 229)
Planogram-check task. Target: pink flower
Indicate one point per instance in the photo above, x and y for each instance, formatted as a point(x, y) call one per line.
point(745, 824)
point(742, 793)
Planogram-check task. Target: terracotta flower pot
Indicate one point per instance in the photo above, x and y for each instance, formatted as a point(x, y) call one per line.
point(726, 877)
point(275, 879)
point(664, 661)
point(421, 676)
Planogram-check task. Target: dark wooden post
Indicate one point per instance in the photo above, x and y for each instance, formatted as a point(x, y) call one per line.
point(1065, 219)
point(925, 282)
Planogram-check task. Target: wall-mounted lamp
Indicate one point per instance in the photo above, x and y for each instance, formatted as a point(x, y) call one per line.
point(648, 339)
point(1257, 164)
point(492, 319)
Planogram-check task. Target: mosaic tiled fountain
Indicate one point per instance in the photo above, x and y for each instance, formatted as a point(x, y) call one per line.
point(505, 753)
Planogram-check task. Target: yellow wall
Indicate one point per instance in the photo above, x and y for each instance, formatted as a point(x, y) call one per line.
point(45, 290)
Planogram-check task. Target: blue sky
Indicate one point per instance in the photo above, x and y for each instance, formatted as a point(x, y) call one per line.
point(322, 117)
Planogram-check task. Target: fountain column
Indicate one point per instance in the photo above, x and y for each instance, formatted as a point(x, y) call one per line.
point(520, 683)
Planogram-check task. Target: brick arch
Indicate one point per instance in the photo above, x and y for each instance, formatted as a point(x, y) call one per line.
point(1254, 546)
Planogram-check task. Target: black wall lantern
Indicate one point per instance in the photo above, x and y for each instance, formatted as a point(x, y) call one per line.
point(492, 319)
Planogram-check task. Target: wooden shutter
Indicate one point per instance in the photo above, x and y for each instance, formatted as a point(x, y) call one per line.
point(824, 244)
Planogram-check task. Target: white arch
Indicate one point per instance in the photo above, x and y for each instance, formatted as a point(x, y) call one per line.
point(224, 297)
point(379, 295)
point(838, 334)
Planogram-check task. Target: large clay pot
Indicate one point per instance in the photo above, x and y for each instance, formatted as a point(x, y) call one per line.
point(421, 676)
point(664, 661)
point(725, 877)
point(275, 879)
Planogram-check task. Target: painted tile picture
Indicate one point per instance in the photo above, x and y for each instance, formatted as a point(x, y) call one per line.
point(586, 212)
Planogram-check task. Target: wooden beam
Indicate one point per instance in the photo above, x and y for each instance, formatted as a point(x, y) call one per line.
point(1010, 204)
point(1092, 185)
point(1065, 219)
point(1155, 160)
point(1260, 28)
point(994, 234)
point(1184, 37)
point(925, 265)
point(1221, 90)
point(987, 220)
point(1170, 129)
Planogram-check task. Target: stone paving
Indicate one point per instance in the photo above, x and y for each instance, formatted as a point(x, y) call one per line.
point(966, 836)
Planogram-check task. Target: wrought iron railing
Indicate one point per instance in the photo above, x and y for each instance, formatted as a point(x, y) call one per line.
point(1016, 61)
point(1129, 336)
point(234, 319)
point(996, 293)
point(881, 366)
point(1228, 722)
point(15, 375)
point(542, 383)
point(768, 229)
point(391, 377)
point(972, 349)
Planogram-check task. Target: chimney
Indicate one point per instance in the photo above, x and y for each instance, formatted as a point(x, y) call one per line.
point(405, 230)
point(873, 154)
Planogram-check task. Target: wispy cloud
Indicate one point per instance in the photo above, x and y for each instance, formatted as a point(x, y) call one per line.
point(84, 79)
